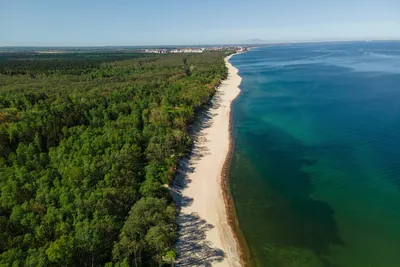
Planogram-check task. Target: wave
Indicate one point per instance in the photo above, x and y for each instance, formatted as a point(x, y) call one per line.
point(378, 55)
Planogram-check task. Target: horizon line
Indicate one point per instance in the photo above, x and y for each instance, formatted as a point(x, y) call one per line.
point(209, 44)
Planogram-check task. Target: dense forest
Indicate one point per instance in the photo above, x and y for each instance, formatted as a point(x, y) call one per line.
point(88, 142)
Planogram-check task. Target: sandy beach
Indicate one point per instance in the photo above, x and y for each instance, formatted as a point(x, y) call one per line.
point(205, 236)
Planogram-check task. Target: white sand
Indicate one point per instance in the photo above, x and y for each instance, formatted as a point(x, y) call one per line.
point(205, 237)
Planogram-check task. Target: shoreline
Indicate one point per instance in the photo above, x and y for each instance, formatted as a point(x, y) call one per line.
point(241, 243)
point(207, 227)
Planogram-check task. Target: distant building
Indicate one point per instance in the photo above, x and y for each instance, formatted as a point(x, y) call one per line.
point(187, 50)
point(194, 50)
point(155, 51)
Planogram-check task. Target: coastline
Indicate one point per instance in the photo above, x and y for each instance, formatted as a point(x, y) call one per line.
point(242, 248)
point(207, 227)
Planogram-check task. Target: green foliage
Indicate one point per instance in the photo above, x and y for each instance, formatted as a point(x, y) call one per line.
point(87, 142)
point(149, 226)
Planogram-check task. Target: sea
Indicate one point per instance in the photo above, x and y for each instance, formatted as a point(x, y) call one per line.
point(315, 172)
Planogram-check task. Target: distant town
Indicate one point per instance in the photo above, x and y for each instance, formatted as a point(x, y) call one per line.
point(193, 49)
point(155, 50)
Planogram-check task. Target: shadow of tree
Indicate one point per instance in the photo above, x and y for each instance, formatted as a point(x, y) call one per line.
point(199, 149)
point(193, 248)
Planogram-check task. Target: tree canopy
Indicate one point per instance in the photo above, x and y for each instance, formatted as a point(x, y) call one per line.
point(87, 141)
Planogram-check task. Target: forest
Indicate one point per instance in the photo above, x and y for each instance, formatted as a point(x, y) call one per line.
point(88, 142)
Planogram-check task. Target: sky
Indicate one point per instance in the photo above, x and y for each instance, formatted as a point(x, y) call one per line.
point(188, 22)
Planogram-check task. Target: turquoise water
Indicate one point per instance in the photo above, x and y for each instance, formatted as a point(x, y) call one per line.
point(315, 175)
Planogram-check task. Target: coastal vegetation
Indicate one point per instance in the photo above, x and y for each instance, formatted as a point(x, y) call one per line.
point(88, 142)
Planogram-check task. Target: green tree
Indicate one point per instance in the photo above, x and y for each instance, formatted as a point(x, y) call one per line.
point(61, 250)
point(87, 143)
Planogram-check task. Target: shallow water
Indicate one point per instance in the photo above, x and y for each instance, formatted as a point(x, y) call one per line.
point(315, 174)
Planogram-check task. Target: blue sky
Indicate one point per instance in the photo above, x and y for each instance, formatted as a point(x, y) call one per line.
point(163, 22)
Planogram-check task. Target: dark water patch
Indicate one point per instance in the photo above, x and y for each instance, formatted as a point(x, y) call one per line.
point(283, 216)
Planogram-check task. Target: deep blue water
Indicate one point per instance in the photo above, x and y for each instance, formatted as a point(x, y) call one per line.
point(315, 175)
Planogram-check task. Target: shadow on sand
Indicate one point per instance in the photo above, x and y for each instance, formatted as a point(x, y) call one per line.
point(193, 248)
